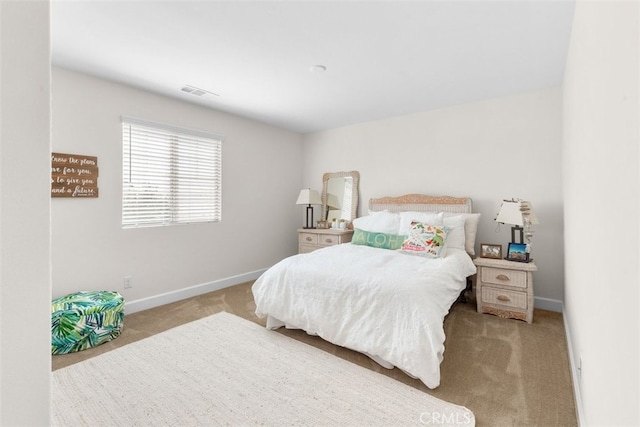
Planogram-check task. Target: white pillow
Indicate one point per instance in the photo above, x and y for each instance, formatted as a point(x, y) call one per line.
point(379, 222)
point(455, 237)
point(406, 218)
point(470, 229)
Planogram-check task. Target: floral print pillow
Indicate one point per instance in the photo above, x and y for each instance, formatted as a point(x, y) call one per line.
point(425, 240)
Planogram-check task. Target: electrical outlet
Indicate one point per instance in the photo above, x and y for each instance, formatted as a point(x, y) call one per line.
point(127, 282)
point(580, 366)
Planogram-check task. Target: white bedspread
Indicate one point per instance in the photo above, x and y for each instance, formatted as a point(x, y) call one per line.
point(376, 301)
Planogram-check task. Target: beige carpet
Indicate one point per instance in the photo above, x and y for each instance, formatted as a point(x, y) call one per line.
point(224, 370)
point(508, 372)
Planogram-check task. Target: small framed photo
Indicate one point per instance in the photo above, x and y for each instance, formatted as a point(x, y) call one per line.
point(490, 250)
point(518, 252)
point(322, 224)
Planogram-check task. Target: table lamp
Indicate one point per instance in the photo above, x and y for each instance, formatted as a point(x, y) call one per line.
point(520, 214)
point(309, 197)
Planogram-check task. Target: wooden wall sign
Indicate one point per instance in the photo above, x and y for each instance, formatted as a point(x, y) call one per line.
point(74, 175)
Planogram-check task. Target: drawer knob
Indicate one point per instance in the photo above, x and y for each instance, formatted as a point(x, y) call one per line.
point(503, 298)
point(502, 277)
point(308, 239)
point(329, 240)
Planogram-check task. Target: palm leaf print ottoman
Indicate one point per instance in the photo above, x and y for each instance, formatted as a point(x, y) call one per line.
point(85, 319)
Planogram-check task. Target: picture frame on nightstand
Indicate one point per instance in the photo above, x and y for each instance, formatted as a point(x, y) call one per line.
point(517, 252)
point(322, 224)
point(490, 250)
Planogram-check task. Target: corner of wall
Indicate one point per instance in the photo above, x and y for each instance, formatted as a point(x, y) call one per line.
point(575, 372)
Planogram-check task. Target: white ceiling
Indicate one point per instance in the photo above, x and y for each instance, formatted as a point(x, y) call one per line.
point(383, 58)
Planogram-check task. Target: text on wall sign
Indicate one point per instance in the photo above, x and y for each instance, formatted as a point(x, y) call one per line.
point(74, 175)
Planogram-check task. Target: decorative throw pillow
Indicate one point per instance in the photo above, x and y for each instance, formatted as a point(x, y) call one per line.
point(377, 240)
point(426, 240)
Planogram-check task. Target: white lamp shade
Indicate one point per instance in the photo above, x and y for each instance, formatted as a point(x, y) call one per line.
point(308, 196)
point(515, 211)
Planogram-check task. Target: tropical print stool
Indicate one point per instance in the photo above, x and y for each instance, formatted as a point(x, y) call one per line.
point(85, 319)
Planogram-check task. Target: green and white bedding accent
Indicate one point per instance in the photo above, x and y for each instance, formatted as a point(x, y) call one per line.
point(85, 319)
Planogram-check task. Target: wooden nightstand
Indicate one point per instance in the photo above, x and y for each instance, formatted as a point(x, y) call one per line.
point(310, 239)
point(505, 288)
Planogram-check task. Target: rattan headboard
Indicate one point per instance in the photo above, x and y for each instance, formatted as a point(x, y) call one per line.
point(422, 203)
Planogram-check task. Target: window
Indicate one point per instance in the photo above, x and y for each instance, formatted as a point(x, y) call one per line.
point(169, 175)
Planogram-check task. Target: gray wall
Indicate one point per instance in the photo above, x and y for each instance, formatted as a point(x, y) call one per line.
point(25, 269)
point(261, 180)
point(602, 194)
point(489, 151)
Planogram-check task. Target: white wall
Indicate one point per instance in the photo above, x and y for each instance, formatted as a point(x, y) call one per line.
point(490, 150)
point(25, 285)
point(601, 138)
point(261, 180)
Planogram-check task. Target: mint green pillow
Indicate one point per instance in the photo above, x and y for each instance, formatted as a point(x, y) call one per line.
point(377, 240)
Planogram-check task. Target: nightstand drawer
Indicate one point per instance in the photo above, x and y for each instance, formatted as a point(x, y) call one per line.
point(308, 239)
point(328, 240)
point(317, 238)
point(504, 297)
point(305, 249)
point(501, 276)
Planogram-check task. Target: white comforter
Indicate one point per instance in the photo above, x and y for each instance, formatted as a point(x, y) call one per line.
point(376, 301)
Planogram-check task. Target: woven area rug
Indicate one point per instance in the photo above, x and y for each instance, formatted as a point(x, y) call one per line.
point(224, 370)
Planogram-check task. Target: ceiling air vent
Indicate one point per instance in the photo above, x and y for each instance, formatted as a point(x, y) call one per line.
point(196, 91)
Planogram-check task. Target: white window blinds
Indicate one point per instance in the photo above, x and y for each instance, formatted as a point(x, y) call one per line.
point(169, 175)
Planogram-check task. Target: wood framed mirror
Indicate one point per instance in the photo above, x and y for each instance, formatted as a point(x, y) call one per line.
point(340, 195)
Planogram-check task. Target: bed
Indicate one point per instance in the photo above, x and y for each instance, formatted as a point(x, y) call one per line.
point(374, 297)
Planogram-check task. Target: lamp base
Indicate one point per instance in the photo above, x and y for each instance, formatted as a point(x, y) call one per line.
point(309, 223)
point(520, 231)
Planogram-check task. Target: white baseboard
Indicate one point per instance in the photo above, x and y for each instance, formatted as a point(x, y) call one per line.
point(169, 297)
point(558, 306)
point(575, 374)
point(548, 304)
